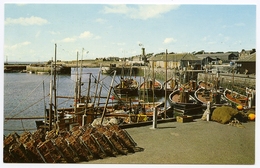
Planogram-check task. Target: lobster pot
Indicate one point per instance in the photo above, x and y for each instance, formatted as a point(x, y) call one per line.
point(90, 118)
point(71, 126)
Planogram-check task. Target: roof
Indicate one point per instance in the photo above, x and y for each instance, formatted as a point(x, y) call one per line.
point(174, 57)
point(222, 56)
point(250, 58)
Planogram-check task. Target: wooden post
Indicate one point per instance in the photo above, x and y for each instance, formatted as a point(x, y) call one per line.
point(154, 110)
point(50, 103)
point(97, 82)
point(165, 86)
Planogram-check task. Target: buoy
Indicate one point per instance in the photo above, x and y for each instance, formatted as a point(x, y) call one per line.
point(239, 107)
point(251, 116)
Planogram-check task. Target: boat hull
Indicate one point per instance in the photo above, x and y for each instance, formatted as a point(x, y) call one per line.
point(236, 98)
point(149, 87)
point(127, 87)
point(186, 105)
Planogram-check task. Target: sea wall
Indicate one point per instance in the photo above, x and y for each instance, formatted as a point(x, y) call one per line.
point(226, 80)
point(229, 80)
point(47, 69)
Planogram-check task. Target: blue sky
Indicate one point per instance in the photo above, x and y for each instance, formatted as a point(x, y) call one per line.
point(106, 29)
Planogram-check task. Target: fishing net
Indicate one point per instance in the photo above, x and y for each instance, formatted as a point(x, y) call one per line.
point(223, 114)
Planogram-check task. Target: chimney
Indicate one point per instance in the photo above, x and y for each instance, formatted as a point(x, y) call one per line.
point(143, 51)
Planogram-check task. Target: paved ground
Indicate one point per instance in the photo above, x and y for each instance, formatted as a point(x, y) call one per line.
point(198, 142)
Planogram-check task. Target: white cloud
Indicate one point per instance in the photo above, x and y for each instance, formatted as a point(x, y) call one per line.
point(169, 40)
point(85, 34)
point(68, 40)
point(116, 9)
point(141, 11)
point(26, 21)
point(18, 45)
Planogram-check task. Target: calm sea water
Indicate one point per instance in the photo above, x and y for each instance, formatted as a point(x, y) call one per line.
point(26, 95)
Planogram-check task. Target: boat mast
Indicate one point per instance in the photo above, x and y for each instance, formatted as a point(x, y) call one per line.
point(87, 101)
point(111, 86)
point(80, 76)
point(131, 66)
point(50, 103)
point(54, 85)
point(89, 84)
point(45, 121)
point(100, 90)
point(97, 82)
point(76, 87)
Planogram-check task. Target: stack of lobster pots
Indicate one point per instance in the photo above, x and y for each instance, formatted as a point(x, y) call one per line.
point(80, 144)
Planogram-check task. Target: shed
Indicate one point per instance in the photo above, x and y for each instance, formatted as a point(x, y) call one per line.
point(247, 65)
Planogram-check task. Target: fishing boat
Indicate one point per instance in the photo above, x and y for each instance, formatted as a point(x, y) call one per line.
point(170, 85)
point(236, 98)
point(183, 103)
point(137, 112)
point(204, 95)
point(151, 85)
point(127, 86)
point(203, 84)
point(190, 86)
point(207, 92)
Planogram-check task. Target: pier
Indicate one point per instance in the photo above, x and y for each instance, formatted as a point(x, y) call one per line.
point(14, 68)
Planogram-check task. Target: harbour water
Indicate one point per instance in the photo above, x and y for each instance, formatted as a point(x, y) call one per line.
point(27, 95)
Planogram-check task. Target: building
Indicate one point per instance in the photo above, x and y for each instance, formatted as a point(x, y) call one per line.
point(247, 65)
point(175, 60)
point(217, 58)
point(245, 53)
